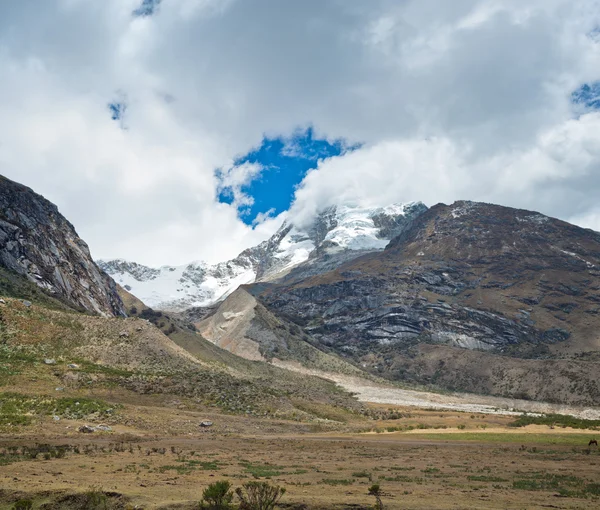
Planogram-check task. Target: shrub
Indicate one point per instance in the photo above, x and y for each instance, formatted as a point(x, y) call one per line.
point(23, 504)
point(553, 420)
point(217, 496)
point(95, 499)
point(259, 495)
point(375, 490)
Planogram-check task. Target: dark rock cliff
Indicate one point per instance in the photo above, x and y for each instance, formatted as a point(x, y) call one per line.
point(36, 241)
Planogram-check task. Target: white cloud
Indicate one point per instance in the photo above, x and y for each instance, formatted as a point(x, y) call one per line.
point(461, 99)
point(234, 177)
point(558, 174)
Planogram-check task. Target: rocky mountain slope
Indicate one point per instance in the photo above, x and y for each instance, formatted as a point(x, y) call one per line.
point(333, 237)
point(243, 326)
point(47, 278)
point(47, 351)
point(38, 243)
point(472, 297)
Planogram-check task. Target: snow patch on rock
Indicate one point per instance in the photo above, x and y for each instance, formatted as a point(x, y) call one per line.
point(198, 284)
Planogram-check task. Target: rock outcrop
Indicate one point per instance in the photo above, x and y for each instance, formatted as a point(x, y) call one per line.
point(37, 242)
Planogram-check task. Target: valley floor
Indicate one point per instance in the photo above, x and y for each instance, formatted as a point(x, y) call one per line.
point(159, 458)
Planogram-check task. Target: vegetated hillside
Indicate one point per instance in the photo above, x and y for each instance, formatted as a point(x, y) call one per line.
point(37, 242)
point(47, 278)
point(472, 297)
point(133, 354)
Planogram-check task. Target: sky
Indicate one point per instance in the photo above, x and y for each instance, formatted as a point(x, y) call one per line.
point(187, 130)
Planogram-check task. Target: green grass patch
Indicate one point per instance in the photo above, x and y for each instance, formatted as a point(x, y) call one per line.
point(565, 485)
point(12, 360)
point(483, 437)
point(16, 408)
point(92, 368)
point(180, 469)
point(262, 470)
point(14, 420)
point(332, 481)
point(556, 420)
point(205, 465)
point(402, 478)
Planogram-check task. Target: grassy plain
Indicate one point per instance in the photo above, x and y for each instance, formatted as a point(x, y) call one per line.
point(156, 456)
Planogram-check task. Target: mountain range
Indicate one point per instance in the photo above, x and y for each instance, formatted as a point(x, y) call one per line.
point(337, 234)
point(469, 296)
point(472, 297)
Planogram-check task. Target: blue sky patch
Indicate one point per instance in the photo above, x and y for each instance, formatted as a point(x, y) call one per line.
point(283, 162)
point(117, 110)
point(147, 8)
point(588, 96)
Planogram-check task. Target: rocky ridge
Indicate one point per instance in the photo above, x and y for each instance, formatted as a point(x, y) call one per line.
point(335, 236)
point(37, 242)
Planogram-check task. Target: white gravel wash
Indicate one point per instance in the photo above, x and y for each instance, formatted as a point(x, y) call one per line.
point(380, 393)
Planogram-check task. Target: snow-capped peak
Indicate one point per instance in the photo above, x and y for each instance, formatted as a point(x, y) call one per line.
point(337, 230)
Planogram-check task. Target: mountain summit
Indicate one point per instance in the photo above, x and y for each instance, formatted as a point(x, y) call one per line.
point(336, 235)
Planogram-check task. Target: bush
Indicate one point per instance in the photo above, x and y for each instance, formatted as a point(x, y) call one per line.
point(217, 496)
point(375, 490)
point(95, 499)
point(553, 420)
point(23, 504)
point(259, 495)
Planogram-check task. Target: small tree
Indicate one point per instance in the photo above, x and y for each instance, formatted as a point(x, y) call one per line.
point(259, 495)
point(375, 490)
point(217, 496)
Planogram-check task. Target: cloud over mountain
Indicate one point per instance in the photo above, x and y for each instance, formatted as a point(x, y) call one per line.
point(465, 99)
